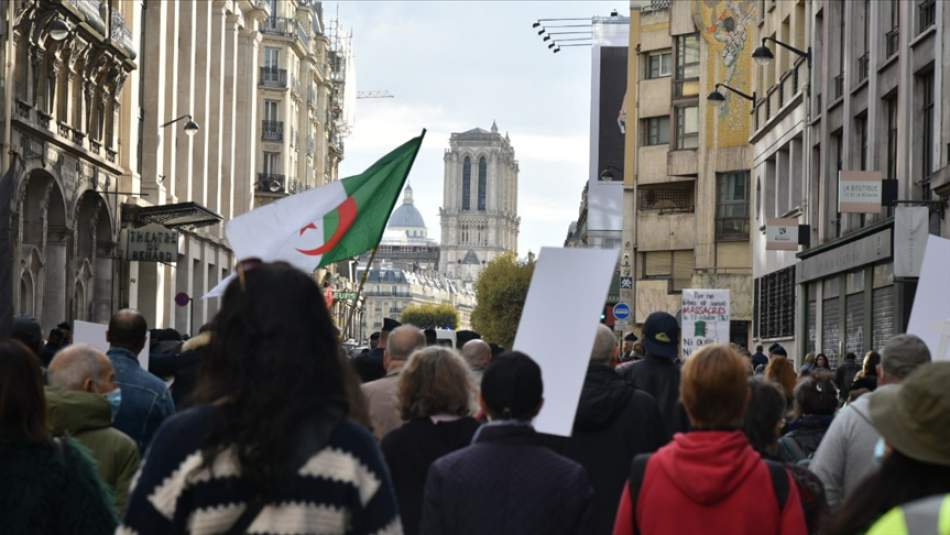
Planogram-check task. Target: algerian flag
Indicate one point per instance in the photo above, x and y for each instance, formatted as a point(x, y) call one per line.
point(321, 226)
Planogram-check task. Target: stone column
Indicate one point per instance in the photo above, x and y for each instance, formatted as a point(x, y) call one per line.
point(185, 145)
point(202, 81)
point(245, 154)
point(168, 92)
point(229, 109)
point(216, 104)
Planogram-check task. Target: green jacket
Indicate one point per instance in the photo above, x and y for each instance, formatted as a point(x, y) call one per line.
point(87, 417)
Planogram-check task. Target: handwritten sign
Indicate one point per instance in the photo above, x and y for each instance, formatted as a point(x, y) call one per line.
point(705, 319)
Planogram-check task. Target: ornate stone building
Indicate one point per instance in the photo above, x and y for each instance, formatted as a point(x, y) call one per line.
point(480, 208)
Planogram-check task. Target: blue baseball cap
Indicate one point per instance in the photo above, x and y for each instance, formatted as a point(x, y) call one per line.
point(661, 334)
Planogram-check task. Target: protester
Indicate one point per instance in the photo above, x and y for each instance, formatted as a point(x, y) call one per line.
point(844, 375)
point(808, 364)
point(55, 342)
point(821, 363)
point(914, 422)
point(462, 337)
point(67, 329)
point(764, 419)
point(614, 423)
point(867, 378)
point(50, 486)
point(432, 337)
point(146, 400)
point(776, 350)
point(436, 399)
point(920, 517)
point(846, 453)
point(710, 477)
point(372, 366)
point(381, 393)
point(507, 482)
point(81, 399)
point(269, 447)
point(781, 371)
point(628, 353)
point(815, 404)
point(477, 354)
point(193, 352)
point(759, 358)
point(27, 331)
point(658, 374)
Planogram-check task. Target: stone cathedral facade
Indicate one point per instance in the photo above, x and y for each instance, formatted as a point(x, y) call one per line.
point(480, 207)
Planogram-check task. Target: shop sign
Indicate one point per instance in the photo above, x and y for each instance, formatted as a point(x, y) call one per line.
point(781, 235)
point(705, 319)
point(860, 192)
point(151, 243)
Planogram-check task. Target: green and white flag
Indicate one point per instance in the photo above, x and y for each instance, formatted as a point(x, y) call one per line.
point(318, 227)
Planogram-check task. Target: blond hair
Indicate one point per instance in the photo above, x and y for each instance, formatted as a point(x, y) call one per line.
point(435, 380)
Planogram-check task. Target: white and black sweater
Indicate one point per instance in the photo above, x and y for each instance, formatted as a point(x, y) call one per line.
point(343, 489)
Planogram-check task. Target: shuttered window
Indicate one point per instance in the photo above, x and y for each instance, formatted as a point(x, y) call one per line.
point(657, 264)
point(684, 263)
point(776, 304)
point(676, 266)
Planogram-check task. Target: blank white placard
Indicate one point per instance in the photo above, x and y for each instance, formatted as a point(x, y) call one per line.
point(558, 324)
point(930, 317)
point(94, 334)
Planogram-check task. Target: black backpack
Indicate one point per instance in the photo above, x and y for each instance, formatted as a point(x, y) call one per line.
point(639, 467)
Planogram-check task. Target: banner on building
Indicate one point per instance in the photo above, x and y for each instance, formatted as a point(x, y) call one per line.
point(781, 234)
point(911, 228)
point(151, 243)
point(930, 317)
point(860, 192)
point(705, 319)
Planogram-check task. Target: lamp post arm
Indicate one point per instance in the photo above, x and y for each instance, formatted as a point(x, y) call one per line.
point(173, 121)
point(740, 93)
point(803, 53)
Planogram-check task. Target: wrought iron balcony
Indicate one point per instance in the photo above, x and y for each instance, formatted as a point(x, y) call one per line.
point(864, 65)
point(278, 26)
point(273, 77)
point(271, 183)
point(272, 130)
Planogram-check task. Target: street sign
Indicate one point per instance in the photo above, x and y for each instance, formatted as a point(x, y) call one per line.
point(781, 234)
point(182, 299)
point(346, 296)
point(626, 283)
point(621, 311)
point(151, 243)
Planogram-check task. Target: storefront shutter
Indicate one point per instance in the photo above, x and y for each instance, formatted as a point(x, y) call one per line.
point(882, 319)
point(831, 329)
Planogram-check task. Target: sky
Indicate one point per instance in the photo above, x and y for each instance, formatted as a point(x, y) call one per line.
point(453, 66)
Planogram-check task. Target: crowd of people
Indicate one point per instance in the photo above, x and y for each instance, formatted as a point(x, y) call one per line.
point(269, 426)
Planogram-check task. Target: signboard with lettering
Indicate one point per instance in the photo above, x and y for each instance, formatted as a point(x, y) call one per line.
point(151, 243)
point(781, 234)
point(860, 192)
point(705, 319)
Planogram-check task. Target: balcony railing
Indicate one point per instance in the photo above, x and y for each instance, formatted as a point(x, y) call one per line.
point(273, 77)
point(272, 130)
point(271, 183)
point(732, 228)
point(891, 42)
point(839, 86)
point(278, 26)
point(864, 64)
point(926, 14)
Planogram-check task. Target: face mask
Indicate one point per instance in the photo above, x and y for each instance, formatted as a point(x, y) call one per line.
point(879, 450)
point(115, 399)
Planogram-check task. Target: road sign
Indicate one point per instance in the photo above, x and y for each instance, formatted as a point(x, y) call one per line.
point(182, 299)
point(621, 311)
point(626, 283)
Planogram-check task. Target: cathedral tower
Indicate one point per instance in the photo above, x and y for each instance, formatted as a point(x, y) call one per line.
point(480, 207)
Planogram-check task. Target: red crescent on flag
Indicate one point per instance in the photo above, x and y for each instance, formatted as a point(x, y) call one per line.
point(347, 212)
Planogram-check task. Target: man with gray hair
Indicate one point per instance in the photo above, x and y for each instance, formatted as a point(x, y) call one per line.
point(846, 454)
point(614, 423)
point(82, 400)
point(381, 393)
point(477, 354)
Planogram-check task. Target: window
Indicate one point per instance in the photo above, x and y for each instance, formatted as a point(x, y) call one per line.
point(271, 57)
point(482, 182)
point(926, 14)
point(467, 184)
point(732, 206)
point(659, 64)
point(271, 110)
point(687, 56)
point(687, 127)
point(891, 38)
point(667, 197)
point(675, 266)
point(864, 58)
point(926, 84)
point(775, 304)
point(890, 106)
point(271, 163)
point(657, 130)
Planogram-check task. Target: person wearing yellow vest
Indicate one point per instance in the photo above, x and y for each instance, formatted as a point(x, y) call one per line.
point(930, 516)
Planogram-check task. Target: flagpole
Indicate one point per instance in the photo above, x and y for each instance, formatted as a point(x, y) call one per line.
point(359, 291)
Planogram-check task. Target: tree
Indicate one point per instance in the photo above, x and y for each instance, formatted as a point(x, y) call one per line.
point(431, 316)
point(501, 291)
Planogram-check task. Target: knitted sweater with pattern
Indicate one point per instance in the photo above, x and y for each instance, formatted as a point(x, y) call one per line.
point(345, 488)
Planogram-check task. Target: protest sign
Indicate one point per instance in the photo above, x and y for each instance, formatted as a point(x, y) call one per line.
point(705, 319)
point(558, 325)
point(930, 317)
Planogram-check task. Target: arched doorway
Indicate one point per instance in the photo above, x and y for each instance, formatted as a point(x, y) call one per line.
point(93, 259)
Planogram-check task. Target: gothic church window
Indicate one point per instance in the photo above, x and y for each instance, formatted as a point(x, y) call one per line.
point(467, 184)
point(482, 182)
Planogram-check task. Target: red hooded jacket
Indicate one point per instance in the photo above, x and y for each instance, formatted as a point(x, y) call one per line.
point(709, 482)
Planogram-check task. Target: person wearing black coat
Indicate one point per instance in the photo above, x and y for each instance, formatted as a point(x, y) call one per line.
point(659, 373)
point(507, 482)
point(614, 423)
point(435, 393)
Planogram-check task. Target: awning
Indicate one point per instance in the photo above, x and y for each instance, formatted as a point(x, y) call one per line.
point(188, 215)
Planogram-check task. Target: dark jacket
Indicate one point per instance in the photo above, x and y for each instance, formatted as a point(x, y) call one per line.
point(869, 382)
point(614, 423)
point(411, 449)
point(146, 400)
point(659, 377)
point(803, 437)
point(844, 375)
point(759, 358)
point(370, 366)
point(48, 489)
point(505, 483)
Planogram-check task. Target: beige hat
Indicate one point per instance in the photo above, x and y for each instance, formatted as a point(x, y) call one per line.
point(914, 418)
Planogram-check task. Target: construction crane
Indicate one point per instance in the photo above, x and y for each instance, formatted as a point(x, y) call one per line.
point(374, 94)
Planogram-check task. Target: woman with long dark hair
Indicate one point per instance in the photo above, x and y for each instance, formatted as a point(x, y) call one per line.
point(914, 423)
point(866, 379)
point(270, 447)
point(48, 486)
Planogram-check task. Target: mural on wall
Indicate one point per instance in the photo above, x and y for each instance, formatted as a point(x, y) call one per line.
point(727, 28)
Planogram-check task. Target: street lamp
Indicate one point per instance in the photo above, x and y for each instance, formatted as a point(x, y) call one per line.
point(716, 98)
point(763, 55)
point(191, 127)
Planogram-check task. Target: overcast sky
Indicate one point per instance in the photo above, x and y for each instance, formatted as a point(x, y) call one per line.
point(453, 66)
